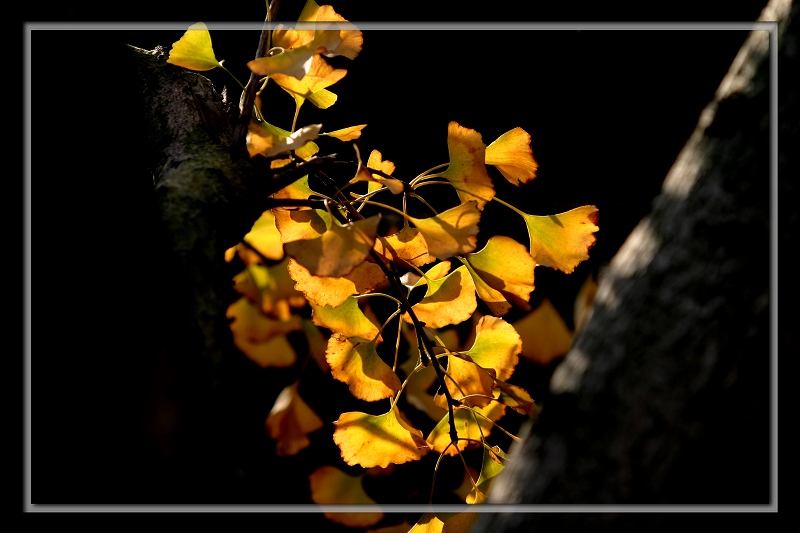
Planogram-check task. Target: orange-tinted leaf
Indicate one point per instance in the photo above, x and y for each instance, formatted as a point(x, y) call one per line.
point(333, 291)
point(469, 426)
point(406, 247)
point(290, 421)
point(251, 324)
point(359, 365)
point(329, 485)
point(452, 232)
point(496, 346)
point(376, 181)
point(512, 155)
point(370, 440)
point(466, 379)
point(193, 50)
point(428, 523)
point(544, 334)
point(467, 169)
point(320, 75)
point(503, 273)
point(298, 190)
point(270, 288)
point(449, 300)
point(562, 241)
point(515, 397)
point(322, 245)
point(346, 319)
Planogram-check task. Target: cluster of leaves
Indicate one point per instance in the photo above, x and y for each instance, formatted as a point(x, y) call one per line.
point(319, 260)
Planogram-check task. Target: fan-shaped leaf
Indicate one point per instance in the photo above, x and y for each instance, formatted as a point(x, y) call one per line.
point(449, 300)
point(333, 291)
point(346, 319)
point(511, 154)
point(359, 365)
point(329, 485)
point(370, 440)
point(471, 428)
point(452, 232)
point(503, 273)
point(404, 248)
point(193, 50)
point(562, 241)
point(496, 346)
point(290, 421)
point(544, 334)
point(467, 169)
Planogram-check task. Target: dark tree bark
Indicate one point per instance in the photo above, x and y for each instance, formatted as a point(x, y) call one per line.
point(665, 396)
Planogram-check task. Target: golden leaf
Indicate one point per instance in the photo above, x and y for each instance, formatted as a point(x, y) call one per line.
point(359, 365)
point(346, 134)
point(404, 248)
point(544, 334)
point(331, 486)
point(470, 427)
point(290, 421)
point(467, 169)
point(263, 239)
point(491, 465)
point(503, 273)
point(370, 440)
point(511, 154)
point(346, 319)
point(333, 291)
point(496, 346)
point(262, 139)
point(452, 232)
point(449, 300)
point(467, 379)
point(375, 181)
point(562, 241)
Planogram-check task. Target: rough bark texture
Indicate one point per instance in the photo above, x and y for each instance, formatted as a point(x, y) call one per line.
point(664, 398)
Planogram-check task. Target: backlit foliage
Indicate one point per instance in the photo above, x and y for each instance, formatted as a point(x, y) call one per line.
point(325, 253)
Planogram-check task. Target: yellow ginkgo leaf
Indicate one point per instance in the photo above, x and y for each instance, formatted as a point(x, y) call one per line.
point(333, 291)
point(497, 345)
point(404, 248)
point(452, 232)
point(263, 240)
point(503, 274)
point(320, 75)
point(271, 288)
point(375, 181)
point(251, 324)
point(346, 319)
point(449, 300)
point(562, 241)
point(193, 50)
point(416, 392)
point(276, 352)
point(467, 379)
point(321, 244)
point(545, 336)
point(370, 440)
point(471, 428)
point(359, 365)
point(511, 154)
point(331, 486)
point(290, 421)
point(298, 190)
point(467, 169)
point(346, 134)
point(265, 139)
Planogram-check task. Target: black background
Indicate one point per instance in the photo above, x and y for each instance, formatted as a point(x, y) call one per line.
point(608, 111)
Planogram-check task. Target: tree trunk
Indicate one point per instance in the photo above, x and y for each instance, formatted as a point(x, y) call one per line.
point(665, 396)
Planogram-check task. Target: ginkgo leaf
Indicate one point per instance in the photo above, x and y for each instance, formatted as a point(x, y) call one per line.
point(320, 75)
point(321, 244)
point(346, 319)
point(193, 50)
point(297, 190)
point(515, 397)
point(263, 140)
point(251, 324)
point(449, 300)
point(363, 174)
point(270, 288)
point(263, 240)
point(404, 248)
point(331, 486)
point(506, 266)
point(562, 241)
point(497, 345)
point(465, 378)
point(467, 168)
point(333, 291)
point(452, 232)
point(511, 154)
point(470, 427)
point(290, 421)
point(346, 134)
point(359, 365)
point(370, 440)
point(491, 465)
point(545, 336)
